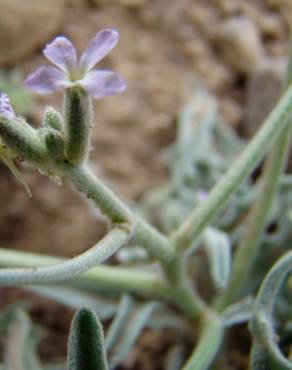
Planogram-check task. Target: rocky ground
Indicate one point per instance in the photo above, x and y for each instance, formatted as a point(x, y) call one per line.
point(237, 48)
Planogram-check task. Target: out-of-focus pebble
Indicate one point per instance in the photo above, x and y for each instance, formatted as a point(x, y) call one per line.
point(25, 26)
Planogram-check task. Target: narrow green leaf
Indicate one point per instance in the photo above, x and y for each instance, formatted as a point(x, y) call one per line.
point(20, 349)
point(218, 248)
point(119, 321)
point(134, 325)
point(175, 357)
point(104, 307)
point(238, 313)
point(262, 321)
point(85, 345)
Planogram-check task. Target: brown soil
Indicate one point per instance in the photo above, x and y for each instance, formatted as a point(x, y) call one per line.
point(163, 43)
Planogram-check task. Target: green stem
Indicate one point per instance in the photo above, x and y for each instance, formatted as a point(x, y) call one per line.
point(189, 232)
point(184, 291)
point(208, 345)
point(155, 243)
point(113, 279)
point(147, 236)
point(258, 218)
point(106, 247)
point(249, 247)
point(23, 140)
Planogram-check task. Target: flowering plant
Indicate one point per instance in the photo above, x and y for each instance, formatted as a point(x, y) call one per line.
point(172, 224)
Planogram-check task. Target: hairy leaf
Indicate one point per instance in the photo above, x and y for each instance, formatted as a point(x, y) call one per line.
point(218, 250)
point(85, 345)
point(262, 327)
point(132, 328)
point(104, 307)
point(20, 349)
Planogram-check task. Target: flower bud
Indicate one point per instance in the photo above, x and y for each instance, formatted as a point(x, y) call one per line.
point(5, 106)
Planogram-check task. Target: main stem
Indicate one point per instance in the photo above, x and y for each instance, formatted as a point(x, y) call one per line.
point(148, 237)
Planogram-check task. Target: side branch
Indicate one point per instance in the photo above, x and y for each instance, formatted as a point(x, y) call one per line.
point(105, 248)
point(187, 234)
point(147, 236)
point(114, 279)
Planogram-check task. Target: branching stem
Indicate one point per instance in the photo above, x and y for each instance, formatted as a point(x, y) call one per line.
point(189, 232)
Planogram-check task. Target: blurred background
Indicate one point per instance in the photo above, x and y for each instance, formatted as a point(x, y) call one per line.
point(236, 48)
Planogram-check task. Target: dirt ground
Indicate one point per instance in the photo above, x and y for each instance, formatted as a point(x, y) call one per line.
point(230, 45)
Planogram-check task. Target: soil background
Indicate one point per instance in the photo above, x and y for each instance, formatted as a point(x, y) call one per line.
point(236, 48)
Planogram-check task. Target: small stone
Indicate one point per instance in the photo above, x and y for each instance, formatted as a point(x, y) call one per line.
point(216, 75)
point(132, 3)
point(270, 26)
point(240, 43)
point(231, 111)
point(264, 88)
point(25, 26)
point(228, 7)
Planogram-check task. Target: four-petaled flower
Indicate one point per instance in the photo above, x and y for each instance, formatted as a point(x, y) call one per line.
point(70, 72)
point(5, 106)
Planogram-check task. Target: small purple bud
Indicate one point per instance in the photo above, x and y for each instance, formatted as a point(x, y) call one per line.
point(5, 106)
point(202, 196)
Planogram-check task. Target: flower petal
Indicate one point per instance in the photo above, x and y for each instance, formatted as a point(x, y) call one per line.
point(5, 106)
point(46, 79)
point(62, 53)
point(103, 42)
point(101, 83)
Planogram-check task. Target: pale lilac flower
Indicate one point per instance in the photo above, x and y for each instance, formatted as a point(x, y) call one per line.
point(5, 106)
point(70, 72)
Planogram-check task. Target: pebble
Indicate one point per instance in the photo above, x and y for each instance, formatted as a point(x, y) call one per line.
point(240, 44)
point(26, 26)
point(264, 88)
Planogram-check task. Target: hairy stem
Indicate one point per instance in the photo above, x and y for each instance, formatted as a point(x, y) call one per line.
point(113, 241)
point(185, 292)
point(257, 220)
point(114, 279)
point(147, 236)
point(208, 344)
point(187, 234)
point(258, 217)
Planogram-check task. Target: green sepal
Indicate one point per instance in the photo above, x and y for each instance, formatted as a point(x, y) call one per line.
point(78, 117)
